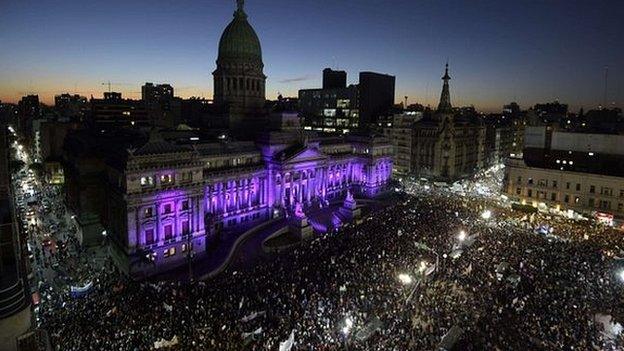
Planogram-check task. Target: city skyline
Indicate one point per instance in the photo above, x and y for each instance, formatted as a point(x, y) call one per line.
point(495, 57)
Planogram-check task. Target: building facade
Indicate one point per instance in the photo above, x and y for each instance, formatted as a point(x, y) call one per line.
point(15, 297)
point(583, 172)
point(113, 112)
point(376, 96)
point(447, 147)
point(564, 190)
point(334, 79)
point(167, 199)
point(330, 110)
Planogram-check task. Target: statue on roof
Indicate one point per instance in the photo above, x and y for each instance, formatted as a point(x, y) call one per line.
point(241, 5)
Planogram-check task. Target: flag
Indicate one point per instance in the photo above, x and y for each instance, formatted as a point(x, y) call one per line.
point(288, 344)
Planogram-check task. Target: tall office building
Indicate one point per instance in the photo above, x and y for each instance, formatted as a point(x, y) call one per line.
point(70, 106)
point(163, 109)
point(376, 96)
point(334, 79)
point(29, 110)
point(114, 112)
point(158, 92)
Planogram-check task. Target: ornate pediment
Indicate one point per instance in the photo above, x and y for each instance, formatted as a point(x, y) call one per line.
point(301, 154)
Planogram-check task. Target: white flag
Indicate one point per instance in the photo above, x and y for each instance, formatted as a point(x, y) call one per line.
point(288, 344)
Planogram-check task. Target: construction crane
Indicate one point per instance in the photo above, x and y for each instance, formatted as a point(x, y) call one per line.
point(109, 84)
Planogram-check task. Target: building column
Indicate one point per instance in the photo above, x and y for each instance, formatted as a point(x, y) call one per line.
point(157, 232)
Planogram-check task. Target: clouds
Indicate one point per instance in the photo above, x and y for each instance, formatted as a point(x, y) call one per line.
point(296, 79)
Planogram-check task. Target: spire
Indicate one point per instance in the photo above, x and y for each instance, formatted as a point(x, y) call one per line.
point(241, 8)
point(445, 98)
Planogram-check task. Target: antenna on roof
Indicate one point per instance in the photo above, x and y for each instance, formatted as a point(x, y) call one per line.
point(606, 81)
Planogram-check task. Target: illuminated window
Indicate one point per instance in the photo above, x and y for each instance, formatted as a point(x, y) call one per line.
point(147, 181)
point(169, 252)
point(166, 179)
point(185, 228)
point(148, 212)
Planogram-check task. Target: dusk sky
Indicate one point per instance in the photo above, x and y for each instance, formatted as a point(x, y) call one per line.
point(499, 51)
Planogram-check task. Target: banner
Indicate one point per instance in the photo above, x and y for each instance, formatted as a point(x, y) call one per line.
point(288, 344)
point(252, 316)
point(77, 291)
point(163, 343)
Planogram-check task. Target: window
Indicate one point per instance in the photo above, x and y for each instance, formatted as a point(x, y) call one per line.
point(168, 231)
point(621, 192)
point(530, 193)
point(149, 236)
point(591, 202)
point(148, 212)
point(553, 197)
point(518, 191)
point(568, 185)
point(542, 182)
point(567, 198)
point(554, 184)
point(187, 176)
point(167, 208)
point(606, 191)
point(530, 180)
point(166, 179)
point(187, 246)
point(185, 205)
point(592, 189)
point(620, 207)
point(185, 228)
point(605, 205)
point(578, 187)
point(147, 181)
point(169, 252)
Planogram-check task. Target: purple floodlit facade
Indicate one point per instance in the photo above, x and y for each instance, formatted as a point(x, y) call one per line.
point(180, 198)
point(168, 200)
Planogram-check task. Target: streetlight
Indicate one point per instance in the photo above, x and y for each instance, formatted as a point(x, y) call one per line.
point(487, 214)
point(346, 329)
point(462, 235)
point(405, 279)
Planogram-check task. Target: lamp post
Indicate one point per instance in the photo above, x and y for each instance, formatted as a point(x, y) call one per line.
point(189, 255)
point(346, 330)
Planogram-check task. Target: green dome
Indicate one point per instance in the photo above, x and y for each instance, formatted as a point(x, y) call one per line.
point(239, 40)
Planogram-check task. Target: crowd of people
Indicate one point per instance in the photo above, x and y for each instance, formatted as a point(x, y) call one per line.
point(511, 288)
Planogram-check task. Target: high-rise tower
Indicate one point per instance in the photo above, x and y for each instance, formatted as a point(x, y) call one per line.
point(239, 81)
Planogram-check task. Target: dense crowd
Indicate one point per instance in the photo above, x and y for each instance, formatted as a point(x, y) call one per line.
point(512, 288)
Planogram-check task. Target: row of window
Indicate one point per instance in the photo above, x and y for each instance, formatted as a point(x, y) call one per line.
point(167, 231)
point(568, 199)
point(172, 250)
point(592, 188)
point(242, 83)
point(166, 179)
point(166, 209)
